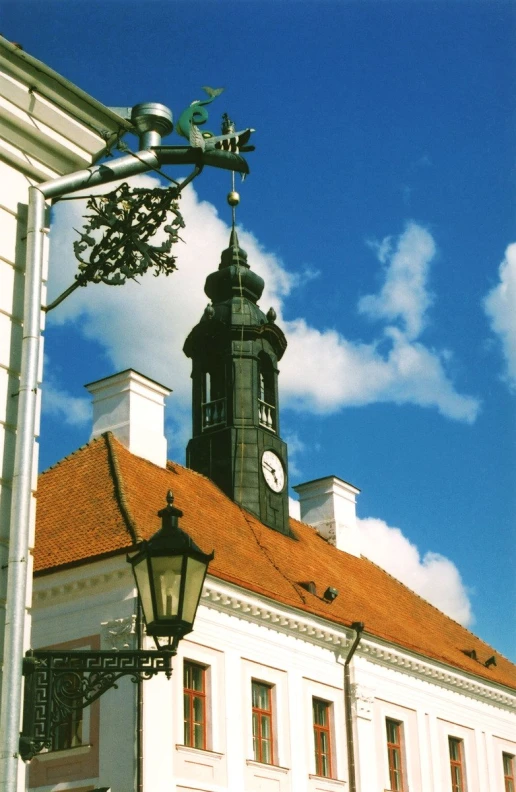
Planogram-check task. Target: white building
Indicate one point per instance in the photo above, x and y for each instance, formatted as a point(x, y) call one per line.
point(48, 128)
point(266, 693)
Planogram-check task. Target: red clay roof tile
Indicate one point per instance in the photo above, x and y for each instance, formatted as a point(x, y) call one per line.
point(94, 502)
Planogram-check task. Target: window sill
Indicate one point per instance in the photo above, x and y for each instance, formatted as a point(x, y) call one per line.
point(273, 767)
point(327, 779)
point(189, 749)
point(63, 753)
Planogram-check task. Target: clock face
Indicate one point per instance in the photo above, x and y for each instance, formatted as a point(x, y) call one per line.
point(272, 469)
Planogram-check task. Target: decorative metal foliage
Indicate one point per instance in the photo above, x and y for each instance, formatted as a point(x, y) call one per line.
point(128, 218)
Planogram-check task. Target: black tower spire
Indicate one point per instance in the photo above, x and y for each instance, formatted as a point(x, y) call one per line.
point(235, 350)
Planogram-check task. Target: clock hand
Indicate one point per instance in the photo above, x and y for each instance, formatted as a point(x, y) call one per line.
point(266, 464)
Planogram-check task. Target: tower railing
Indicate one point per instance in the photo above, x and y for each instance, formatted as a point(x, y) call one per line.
point(213, 413)
point(267, 415)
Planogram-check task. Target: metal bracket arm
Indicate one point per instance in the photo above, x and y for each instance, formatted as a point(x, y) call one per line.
point(59, 683)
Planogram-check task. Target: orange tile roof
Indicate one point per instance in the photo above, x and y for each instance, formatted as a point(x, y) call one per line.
point(102, 499)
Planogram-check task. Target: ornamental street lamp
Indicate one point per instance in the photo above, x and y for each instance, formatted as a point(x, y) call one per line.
point(169, 571)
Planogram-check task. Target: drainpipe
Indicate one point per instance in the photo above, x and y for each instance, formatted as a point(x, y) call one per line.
point(358, 627)
point(18, 562)
point(139, 704)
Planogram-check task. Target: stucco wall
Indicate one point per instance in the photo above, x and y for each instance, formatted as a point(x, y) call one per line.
point(239, 637)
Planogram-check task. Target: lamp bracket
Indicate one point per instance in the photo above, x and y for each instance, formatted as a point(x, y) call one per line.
point(58, 683)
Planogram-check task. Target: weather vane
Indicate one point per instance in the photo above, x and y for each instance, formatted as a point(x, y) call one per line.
point(196, 115)
point(118, 241)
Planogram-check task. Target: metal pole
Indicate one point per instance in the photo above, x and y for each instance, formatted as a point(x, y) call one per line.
point(19, 567)
point(141, 162)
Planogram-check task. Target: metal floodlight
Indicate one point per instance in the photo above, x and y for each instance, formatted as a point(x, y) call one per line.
point(169, 570)
point(330, 594)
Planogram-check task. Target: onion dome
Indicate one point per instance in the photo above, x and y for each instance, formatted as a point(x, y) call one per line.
point(233, 277)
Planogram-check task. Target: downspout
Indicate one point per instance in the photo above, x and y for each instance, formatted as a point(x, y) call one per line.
point(358, 627)
point(139, 704)
point(18, 560)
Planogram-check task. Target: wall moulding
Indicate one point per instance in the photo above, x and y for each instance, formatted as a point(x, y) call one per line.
point(46, 589)
point(262, 611)
point(438, 674)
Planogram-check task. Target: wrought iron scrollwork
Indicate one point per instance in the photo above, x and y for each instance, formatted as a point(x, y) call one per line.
point(58, 683)
point(128, 218)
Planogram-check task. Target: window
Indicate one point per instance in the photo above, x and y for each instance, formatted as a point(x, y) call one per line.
point(322, 741)
point(394, 736)
point(266, 393)
point(213, 397)
point(69, 733)
point(262, 723)
point(508, 772)
point(194, 698)
point(457, 764)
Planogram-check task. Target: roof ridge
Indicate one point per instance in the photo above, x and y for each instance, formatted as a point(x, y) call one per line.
point(69, 456)
point(171, 464)
point(427, 602)
point(120, 495)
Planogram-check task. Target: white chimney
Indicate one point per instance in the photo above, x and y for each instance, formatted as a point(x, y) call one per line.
point(133, 408)
point(329, 504)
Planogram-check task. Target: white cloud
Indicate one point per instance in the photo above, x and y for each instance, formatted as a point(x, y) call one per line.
point(404, 295)
point(337, 372)
point(70, 409)
point(433, 576)
point(296, 449)
point(382, 249)
point(294, 508)
point(500, 307)
point(144, 326)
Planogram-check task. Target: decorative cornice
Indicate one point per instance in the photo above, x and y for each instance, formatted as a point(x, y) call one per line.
point(46, 590)
point(260, 611)
point(415, 666)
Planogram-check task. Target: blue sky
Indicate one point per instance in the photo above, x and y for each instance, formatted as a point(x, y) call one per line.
point(380, 210)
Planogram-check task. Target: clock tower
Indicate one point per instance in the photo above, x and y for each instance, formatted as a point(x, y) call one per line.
point(235, 350)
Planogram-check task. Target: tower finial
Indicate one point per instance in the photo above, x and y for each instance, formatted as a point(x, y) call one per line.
point(233, 200)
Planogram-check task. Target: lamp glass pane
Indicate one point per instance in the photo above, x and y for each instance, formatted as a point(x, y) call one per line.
point(195, 572)
point(166, 571)
point(142, 581)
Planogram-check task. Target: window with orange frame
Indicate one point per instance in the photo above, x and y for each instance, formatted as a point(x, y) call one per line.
point(456, 748)
point(508, 772)
point(194, 698)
